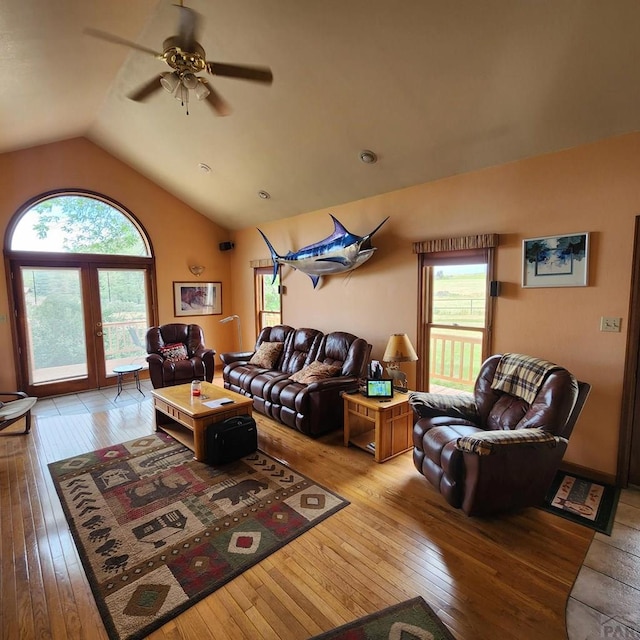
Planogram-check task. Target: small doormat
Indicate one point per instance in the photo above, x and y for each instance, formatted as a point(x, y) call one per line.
point(157, 531)
point(410, 620)
point(584, 501)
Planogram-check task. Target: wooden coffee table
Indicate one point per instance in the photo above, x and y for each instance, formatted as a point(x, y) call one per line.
point(187, 419)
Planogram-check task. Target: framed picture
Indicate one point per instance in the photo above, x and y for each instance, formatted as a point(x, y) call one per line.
point(556, 261)
point(197, 298)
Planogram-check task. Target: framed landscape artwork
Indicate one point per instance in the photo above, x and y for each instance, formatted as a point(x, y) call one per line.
point(197, 298)
point(556, 261)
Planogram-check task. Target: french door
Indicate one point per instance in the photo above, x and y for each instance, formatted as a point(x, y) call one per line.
point(76, 320)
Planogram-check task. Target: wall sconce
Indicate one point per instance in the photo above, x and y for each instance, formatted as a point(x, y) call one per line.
point(196, 270)
point(229, 319)
point(399, 349)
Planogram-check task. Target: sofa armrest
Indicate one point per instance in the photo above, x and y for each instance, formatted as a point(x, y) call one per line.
point(514, 476)
point(236, 356)
point(203, 351)
point(342, 383)
point(431, 405)
point(155, 358)
point(485, 443)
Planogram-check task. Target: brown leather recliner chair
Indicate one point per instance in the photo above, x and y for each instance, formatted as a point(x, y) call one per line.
point(499, 448)
point(177, 355)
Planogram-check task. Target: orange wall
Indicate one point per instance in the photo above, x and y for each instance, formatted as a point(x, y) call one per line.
point(180, 235)
point(594, 188)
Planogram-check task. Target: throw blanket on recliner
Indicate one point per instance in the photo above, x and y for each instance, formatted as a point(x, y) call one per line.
point(521, 375)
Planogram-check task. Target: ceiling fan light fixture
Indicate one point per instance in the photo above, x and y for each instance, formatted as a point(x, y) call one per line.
point(182, 94)
point(170, 81)
point(190, 80)
point(201, 90)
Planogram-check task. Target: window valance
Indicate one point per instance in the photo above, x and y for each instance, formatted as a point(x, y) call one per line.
point(463, 243)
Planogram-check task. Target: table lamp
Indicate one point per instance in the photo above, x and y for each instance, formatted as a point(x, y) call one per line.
point(399, 349)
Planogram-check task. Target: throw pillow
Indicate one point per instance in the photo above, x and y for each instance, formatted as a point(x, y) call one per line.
point(174, 352)
point(267, 354)
point(315, 372)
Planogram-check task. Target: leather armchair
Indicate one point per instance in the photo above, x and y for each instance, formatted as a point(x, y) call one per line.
point(194, 362)
point(493, 450)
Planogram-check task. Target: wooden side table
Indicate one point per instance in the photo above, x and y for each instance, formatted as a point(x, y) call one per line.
point(384, 429)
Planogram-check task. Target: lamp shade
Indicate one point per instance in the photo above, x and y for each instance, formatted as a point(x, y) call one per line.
point(170, 81)
point(399, 349)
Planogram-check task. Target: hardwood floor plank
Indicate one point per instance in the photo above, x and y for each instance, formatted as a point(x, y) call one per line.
point(10, 583)
point(506, 577)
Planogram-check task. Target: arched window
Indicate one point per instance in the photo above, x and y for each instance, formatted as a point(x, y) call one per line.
point(73, 222)
point(82, 282)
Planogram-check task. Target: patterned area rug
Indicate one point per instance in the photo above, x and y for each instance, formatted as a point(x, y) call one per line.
point(158, 531)
point(583, 500)
point(410, 620)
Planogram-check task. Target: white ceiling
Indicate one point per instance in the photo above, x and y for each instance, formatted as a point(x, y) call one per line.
point(434, 87)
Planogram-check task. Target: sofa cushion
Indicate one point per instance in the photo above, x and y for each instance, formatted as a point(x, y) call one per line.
point(174, 352)
point(316, 371)
point(267, 354)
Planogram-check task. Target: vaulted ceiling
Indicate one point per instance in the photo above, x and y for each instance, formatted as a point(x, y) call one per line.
point(435, 88)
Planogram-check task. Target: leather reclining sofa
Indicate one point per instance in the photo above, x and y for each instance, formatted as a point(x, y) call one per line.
point(296, 376)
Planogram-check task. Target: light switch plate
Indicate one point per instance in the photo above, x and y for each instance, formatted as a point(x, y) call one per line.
point(610, 324)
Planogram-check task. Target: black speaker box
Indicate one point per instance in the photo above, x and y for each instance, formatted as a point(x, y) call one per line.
point(226, 246)
point(231, 439)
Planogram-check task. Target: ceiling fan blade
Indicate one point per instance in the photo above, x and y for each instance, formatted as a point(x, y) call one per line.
point(256, 74)
point(188, 28)
point(103, 35)
point(143, 92)
point(220, 105)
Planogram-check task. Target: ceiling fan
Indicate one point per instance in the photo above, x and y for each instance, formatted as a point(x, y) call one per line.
point(186, 57)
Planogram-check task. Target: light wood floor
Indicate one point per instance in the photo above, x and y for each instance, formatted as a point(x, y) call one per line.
point(504, 578)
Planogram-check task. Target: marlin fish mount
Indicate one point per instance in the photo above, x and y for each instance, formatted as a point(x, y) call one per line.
point(340, 252)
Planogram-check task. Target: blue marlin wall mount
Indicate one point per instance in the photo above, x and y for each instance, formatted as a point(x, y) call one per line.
point(340, 252)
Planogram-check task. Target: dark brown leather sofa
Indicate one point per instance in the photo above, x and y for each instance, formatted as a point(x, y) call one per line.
point(197, 363)
point(493, 451)
point(313, 407)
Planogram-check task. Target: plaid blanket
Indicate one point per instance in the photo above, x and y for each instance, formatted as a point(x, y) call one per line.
point(521, 375)
point(485, 443)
